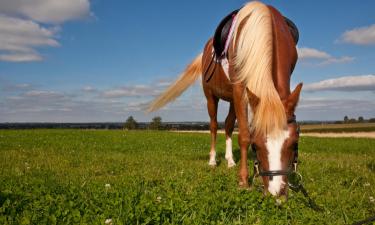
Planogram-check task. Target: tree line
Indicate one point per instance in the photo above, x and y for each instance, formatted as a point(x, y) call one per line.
point(131, 123)
point(359, 120)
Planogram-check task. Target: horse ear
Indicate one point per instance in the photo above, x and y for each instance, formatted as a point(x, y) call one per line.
point(294, 98)
point(253, 99)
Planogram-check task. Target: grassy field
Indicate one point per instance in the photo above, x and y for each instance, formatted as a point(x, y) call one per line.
point(88, 176)
point(348, 127)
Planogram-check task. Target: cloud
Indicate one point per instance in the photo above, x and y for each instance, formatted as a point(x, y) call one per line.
point(310, 53)
point(347, 84)
point(336, 108)
point(335, 104)
point(43, 94)
point(360, 36)
point(19, 37)
point(332, 60)
point(24, 29)
point(46, 11)
point(89, 89)
point(323, 109)
point(323, 57)
point(143, 90)
point(8, 87)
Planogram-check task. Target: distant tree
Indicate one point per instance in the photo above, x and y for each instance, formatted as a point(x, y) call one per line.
point(352, 120)
point(155, 123)
point(371, 120)
point(130, 123)
point(346, 119)
point(360, 119)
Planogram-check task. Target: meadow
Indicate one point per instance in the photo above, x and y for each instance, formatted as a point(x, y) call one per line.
point(160, 177)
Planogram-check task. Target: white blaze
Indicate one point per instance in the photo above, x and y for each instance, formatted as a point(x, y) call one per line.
point(274, 147)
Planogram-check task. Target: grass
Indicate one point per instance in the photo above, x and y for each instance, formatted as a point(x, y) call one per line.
point(144, 177)
point(348, 127)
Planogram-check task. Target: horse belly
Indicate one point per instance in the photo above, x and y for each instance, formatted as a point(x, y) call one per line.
point(219, 85)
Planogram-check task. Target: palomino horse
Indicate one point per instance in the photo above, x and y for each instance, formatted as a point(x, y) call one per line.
point(261, 56)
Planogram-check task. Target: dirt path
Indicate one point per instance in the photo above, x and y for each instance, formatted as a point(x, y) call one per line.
point(354, 134)
point(333, 135)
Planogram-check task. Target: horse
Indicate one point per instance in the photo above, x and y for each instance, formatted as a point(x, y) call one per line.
point(254, 77)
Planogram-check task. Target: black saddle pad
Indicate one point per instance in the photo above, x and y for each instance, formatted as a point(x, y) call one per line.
point(222, 32)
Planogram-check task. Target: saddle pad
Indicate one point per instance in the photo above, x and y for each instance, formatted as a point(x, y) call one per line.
point(222, 34)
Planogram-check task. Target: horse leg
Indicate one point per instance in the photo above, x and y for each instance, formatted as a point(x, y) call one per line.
point(212, 103)
point(229, 126)
point(240, 103)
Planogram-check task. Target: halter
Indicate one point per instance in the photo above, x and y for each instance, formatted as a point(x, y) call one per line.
point(272, 173)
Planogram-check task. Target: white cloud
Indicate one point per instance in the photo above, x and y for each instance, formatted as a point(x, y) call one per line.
point(311, 53)
point(323, 57)
point(360, 36)
point(42, 94)
point(344, 59)
point(334, 109)
point(46, 11)
point(89, 89)
point(20, 57)
point(21, 31)
point(348, 83)
point(19, 37)
point(133, 91)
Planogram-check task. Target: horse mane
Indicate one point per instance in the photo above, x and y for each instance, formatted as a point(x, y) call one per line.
point(253, 60)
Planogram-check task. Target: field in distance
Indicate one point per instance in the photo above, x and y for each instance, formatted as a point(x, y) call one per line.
point(345, 127)
point(159, 177)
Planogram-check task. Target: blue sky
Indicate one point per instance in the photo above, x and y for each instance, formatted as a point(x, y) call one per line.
point(96, 61)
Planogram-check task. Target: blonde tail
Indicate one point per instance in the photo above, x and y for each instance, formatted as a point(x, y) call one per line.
point(186, 79)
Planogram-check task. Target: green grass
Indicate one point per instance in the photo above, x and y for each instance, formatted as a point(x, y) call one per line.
point(60, 177)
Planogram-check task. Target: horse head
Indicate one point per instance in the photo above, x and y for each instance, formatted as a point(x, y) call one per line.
point(276, 156)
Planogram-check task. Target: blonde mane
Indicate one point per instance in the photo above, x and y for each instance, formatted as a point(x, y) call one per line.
point(253, 63)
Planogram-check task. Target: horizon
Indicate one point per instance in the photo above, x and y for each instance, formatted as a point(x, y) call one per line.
point(93, 61)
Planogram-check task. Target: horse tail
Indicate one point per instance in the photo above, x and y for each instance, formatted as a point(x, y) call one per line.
point(186, 79)
point(253, 62)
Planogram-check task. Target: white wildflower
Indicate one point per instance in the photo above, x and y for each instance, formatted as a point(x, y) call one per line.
point(367, 185)
point(107, 186)
point(108, 221)
point(372, 199)
point(158, 199)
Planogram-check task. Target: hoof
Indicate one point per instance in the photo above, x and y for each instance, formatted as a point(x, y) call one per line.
point(243, 185)
point(231, 164)
point(212, 163)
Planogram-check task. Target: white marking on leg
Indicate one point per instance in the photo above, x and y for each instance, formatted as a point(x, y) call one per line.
point(212, 161)
point(229, 153)
point(274, 147)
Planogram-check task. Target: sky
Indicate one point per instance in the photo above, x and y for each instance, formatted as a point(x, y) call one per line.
point(105, 60)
